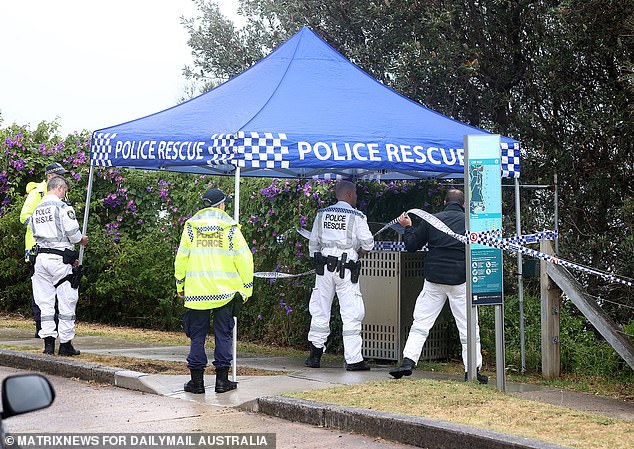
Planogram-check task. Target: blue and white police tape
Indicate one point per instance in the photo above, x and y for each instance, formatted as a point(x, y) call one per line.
point(488, 239)
point(278, 275)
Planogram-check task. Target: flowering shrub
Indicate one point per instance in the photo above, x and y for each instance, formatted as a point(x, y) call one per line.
point(136, 219)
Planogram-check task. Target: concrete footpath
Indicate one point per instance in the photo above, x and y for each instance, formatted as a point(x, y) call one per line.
point(262, 393)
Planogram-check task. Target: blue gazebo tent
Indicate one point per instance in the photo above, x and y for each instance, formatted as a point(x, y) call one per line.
point(302, 111)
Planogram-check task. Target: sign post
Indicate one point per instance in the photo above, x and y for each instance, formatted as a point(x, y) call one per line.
point(483, 203)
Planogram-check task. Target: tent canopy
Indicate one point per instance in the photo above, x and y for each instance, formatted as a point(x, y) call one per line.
point(302, 111)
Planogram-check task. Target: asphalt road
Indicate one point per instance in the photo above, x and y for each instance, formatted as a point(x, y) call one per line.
point(82, 407)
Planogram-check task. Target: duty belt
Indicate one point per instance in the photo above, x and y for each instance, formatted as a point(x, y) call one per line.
point(69, 256)
point(58, 252)
point(337, 264)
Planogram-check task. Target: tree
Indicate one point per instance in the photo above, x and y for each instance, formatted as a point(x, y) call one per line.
point(555, 75)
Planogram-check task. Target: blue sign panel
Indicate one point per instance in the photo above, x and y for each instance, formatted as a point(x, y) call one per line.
point(484, 210)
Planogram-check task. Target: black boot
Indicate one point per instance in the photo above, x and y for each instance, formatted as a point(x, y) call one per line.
point(38, 328)
point(314, 359)
point(359, 366)
point(49, 345)
point(404, 370)
point(197, 384)
point(482, 379)
point(66, 349)
point(223, 384)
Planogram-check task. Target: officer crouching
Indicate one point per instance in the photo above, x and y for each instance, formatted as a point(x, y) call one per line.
point(56, 230)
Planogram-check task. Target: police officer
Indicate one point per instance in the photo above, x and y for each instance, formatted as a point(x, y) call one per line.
point(56, 230)
point(35, 192)
point(214, 271)
point(340, 236)
point(445, 277)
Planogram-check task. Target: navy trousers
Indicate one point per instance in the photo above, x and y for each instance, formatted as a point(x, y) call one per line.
point(196, 326)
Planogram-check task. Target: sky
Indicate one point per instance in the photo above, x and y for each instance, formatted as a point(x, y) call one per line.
point(93, 64)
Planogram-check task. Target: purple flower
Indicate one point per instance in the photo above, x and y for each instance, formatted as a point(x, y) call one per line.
point(288, 310)
point(18, 165)
point(302, 220)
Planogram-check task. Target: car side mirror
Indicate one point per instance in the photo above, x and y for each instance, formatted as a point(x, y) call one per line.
point(24, 393)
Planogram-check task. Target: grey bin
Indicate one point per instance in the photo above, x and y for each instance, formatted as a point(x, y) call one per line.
point(390, 282)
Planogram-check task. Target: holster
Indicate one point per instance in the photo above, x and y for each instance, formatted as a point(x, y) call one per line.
point(74, 277)
point(31, 264)
point(355, 270)
point(319, 262)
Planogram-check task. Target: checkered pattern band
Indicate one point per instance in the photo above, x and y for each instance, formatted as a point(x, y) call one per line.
point(389, 246)
point(533, 238)
point(221, 149)
point(262, 150)
point(341, 210)
point(101, 151)
point(328, 177)
point(248, 285)
point(210, 228)
point(219, 297)
point(232, 231)
point(510, 160)
point(190, 232)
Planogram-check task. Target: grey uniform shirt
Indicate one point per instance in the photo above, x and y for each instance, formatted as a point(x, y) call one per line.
point(54, 224)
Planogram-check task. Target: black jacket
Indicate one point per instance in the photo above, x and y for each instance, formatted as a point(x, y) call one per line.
point(445, 261)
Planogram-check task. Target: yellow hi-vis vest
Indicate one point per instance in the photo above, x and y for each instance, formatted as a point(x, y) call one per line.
point(213, 261)
point(36, 191)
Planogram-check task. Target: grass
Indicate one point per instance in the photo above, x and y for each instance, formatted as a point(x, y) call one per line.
point(148, 335)
point(598, 385)
point(483, 407)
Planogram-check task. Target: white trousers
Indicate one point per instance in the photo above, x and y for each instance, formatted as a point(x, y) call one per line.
point(429, 304)
point(49, 269)
point(352, 313)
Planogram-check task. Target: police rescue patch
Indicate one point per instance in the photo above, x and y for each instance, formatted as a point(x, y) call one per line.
point(71, 214)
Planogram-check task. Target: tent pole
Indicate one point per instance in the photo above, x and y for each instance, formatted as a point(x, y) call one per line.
point(236, 217)
point(84, 228)
point(520, 280)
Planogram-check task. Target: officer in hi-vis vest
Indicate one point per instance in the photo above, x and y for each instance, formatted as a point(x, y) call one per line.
point(339, 238)
point(56, 230)
point(214, 271)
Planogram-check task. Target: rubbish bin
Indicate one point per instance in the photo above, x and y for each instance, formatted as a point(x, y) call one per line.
point(390, 282)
